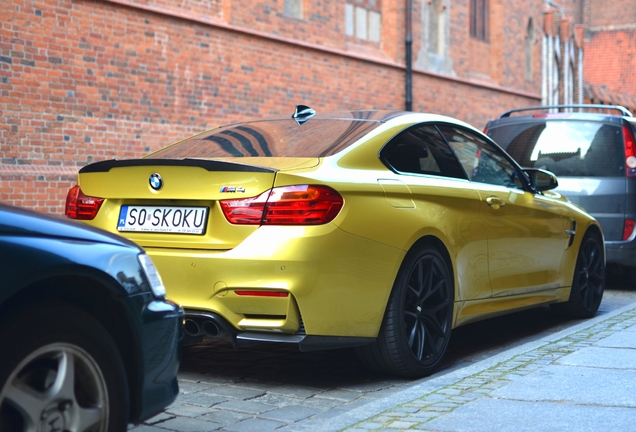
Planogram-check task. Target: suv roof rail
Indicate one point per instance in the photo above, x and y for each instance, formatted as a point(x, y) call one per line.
point(624, 111)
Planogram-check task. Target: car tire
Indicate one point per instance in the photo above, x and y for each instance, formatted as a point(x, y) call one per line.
point(60, 370)
point(417, 324)
point(588, 283)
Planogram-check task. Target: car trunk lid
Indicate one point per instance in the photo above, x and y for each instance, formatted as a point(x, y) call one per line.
point(174, 203)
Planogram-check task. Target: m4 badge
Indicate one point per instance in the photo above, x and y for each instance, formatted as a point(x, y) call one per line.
point(232, 189)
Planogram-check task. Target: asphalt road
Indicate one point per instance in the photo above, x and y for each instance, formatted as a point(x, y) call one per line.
point(270, 386)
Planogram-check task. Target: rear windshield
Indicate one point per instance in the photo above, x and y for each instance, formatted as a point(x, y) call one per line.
point(317, 137)
point(567, 148)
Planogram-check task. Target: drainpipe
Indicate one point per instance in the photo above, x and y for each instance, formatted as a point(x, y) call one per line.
point(409, 58)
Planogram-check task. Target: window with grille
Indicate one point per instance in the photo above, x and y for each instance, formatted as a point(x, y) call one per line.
point(479, 19)
point(529, 49)
point(363, 19)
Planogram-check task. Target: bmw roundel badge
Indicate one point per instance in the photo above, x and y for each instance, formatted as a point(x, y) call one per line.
point(155, 181)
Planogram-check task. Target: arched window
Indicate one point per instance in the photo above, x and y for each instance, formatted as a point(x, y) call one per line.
point(436, 27)
point(529, 49)
point(434, 54)
point(555, 82)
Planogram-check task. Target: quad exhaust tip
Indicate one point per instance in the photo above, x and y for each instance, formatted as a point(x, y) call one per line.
point(202, 327)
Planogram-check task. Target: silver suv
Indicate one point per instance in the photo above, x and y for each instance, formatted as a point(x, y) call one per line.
point(592, 151)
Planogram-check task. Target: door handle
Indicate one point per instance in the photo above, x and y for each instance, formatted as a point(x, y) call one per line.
point(495, 202)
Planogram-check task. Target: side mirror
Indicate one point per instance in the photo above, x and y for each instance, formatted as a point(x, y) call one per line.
point(541, 180)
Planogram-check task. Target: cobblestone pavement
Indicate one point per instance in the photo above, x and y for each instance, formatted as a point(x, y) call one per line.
point(276, 387)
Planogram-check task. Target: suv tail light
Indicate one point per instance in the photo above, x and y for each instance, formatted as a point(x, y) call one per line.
point(630, 151)
point(288, 205)
point(80, 206)
point(628, 228)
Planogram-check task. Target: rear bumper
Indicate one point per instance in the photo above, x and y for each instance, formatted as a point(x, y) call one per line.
point(623, 253)
point(209, 325)
point(332, 283)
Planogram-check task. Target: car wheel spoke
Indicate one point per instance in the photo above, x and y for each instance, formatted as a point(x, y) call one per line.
point(435, 327)
point(64, 384)
point(29, 402)
point(426, 309)
point(88, 417)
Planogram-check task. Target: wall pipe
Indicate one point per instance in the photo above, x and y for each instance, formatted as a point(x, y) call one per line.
point(408, 42)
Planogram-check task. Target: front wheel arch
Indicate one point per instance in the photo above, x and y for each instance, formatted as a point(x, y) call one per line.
point(588, 281)
point(74, 367)
point(93, 296)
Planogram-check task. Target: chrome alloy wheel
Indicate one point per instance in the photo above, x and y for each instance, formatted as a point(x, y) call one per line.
point(58, 387)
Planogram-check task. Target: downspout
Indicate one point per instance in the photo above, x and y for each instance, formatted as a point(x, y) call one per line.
point(408, 103)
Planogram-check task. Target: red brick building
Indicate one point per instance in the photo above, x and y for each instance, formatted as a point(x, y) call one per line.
point(87, 80)
point(610, 49)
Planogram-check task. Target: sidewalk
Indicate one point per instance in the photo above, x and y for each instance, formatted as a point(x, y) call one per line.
point(580, 379)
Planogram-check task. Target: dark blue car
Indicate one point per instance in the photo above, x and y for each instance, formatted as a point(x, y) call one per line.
point(87, 339)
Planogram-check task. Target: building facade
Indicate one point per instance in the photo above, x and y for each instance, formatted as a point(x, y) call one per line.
point(87, 80)
point(610, 49)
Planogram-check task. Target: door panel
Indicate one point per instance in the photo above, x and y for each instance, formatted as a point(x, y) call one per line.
point(526, 240)
point(526, 230)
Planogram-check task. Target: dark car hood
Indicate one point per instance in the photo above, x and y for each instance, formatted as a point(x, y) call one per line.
point(23, 222)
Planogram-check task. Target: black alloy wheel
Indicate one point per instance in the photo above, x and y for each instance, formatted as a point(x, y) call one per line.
point(588, 283)
point(417, 323)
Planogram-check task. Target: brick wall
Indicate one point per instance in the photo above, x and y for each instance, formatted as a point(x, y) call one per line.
point(610, 60)
point(610, 48)
point(84, 80)
point(603, 13)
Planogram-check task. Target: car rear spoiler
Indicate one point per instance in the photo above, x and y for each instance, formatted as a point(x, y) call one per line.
point(209, 165)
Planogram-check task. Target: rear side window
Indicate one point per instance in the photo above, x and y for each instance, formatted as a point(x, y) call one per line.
point(567, 148)
point(421, 150)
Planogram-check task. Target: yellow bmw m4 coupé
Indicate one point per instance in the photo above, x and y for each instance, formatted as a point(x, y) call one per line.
point(380, 230)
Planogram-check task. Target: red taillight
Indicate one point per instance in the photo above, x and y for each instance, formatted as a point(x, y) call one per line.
point(255, 293)
point(80, 206)
point(288, 205)
point(630, 152)
point(628, 229)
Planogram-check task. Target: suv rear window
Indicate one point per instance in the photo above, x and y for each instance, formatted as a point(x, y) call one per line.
point(567, 148)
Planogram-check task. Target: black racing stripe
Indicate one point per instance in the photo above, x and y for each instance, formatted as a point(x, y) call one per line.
point(245, 141)
point(208, 165)
point(225, 144)
point(259, 137)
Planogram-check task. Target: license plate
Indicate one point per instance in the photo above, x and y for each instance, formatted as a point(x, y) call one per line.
point(161, 219)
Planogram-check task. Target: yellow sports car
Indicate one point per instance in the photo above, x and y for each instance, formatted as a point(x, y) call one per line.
point(380, 230)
